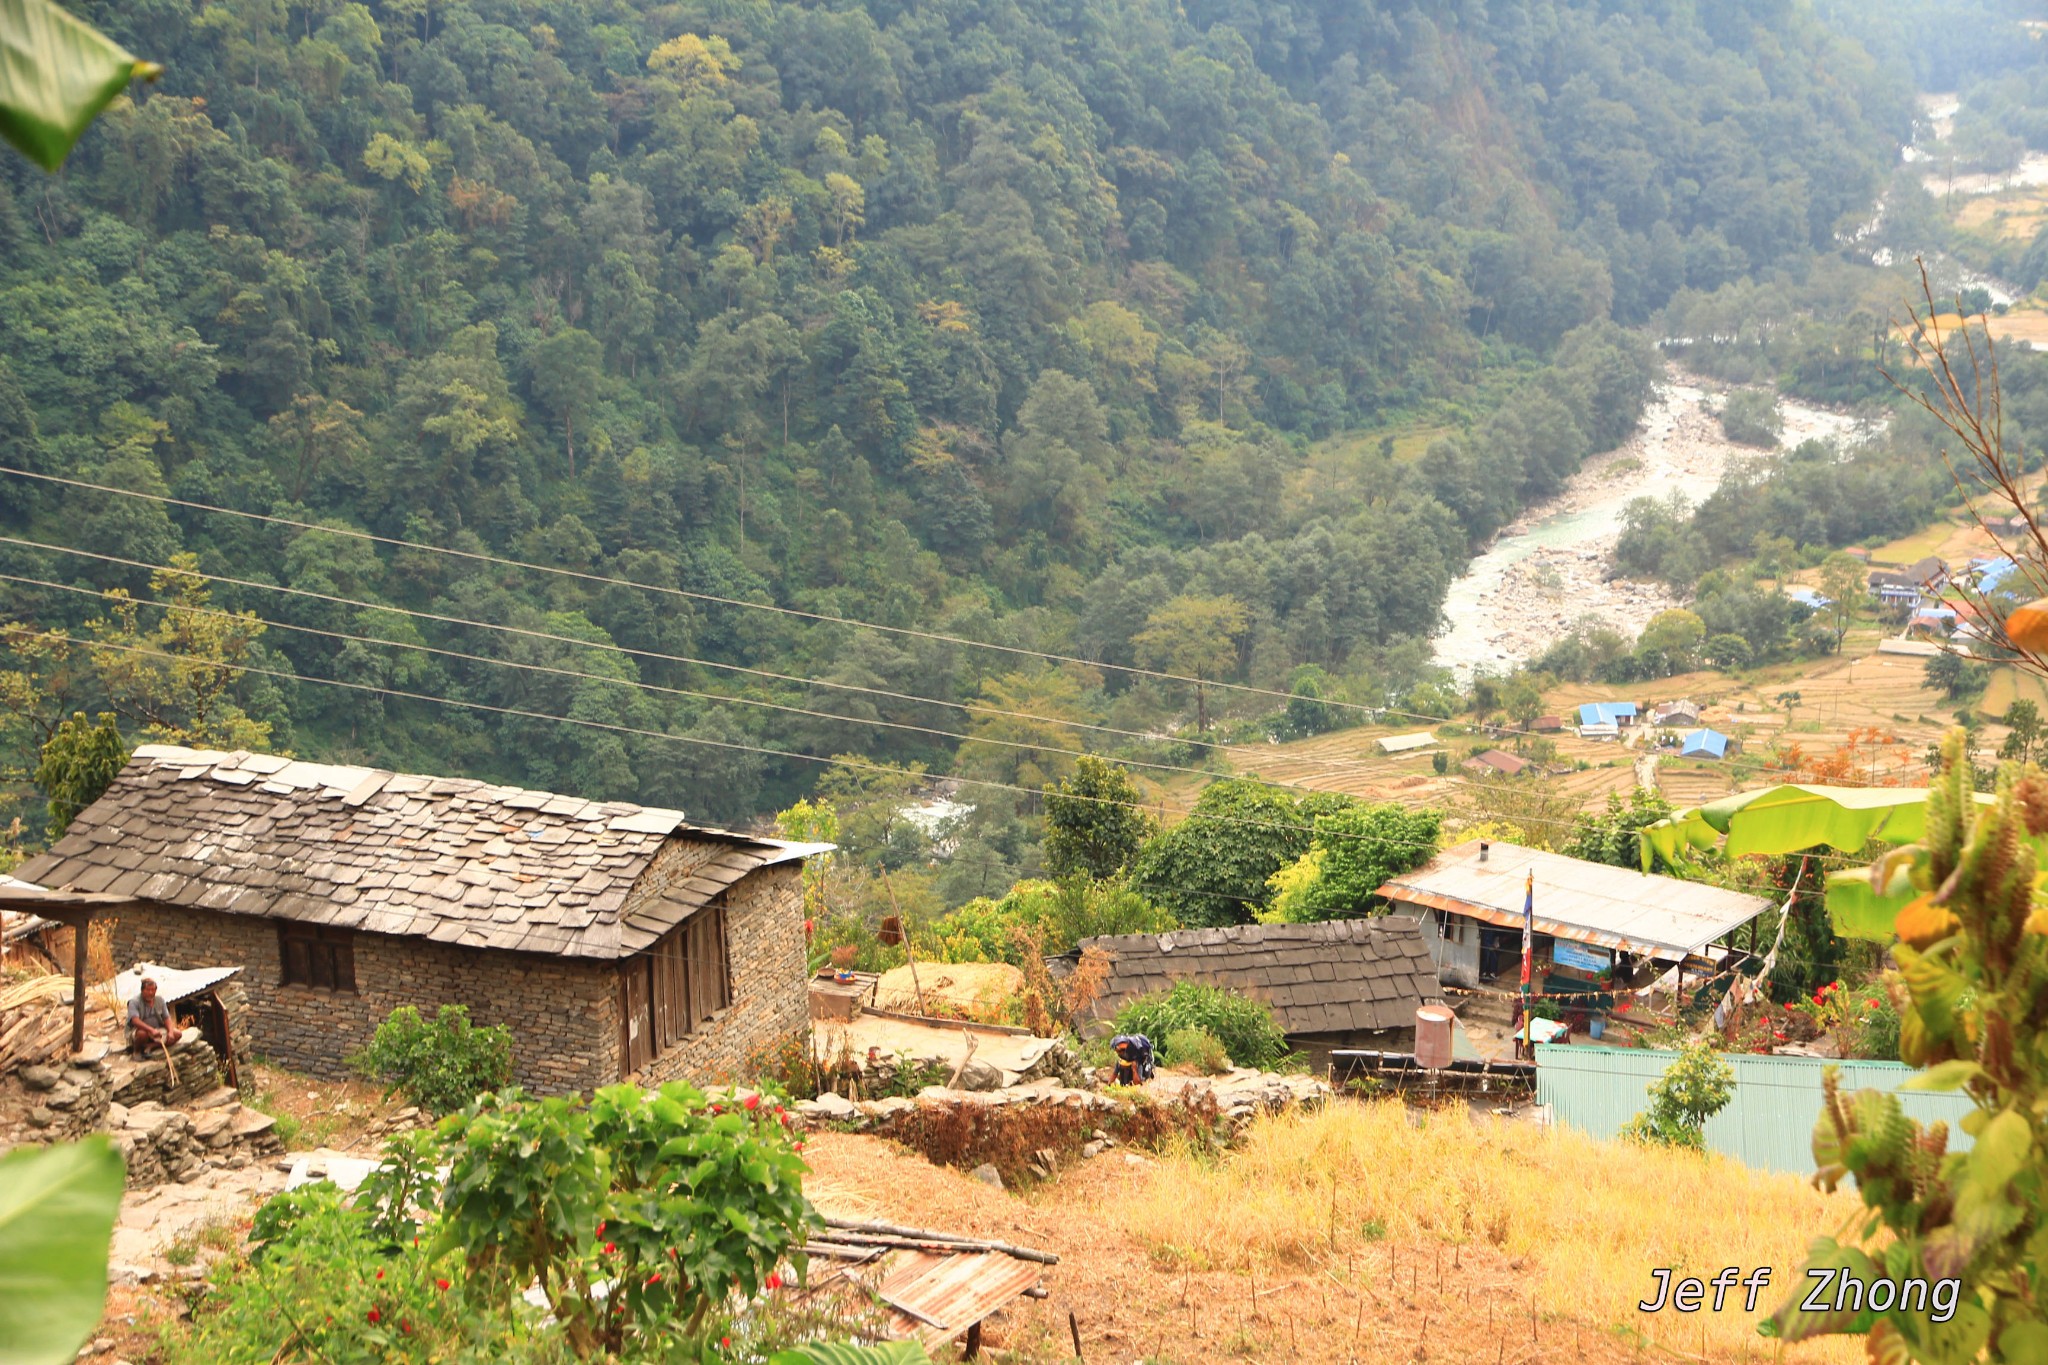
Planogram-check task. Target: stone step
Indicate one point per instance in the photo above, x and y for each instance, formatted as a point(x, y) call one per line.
point(248, 1123)
point(214, 1099)
point(208, 1124)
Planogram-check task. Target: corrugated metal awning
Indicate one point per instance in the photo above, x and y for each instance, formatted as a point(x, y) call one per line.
point(1586, 902)
point(172, 984)
point(950, 1292)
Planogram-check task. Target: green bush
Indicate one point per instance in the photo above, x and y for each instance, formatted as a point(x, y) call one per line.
point(639, 1218)
point(1196, 1047)
point(1053, 916)
point(1694, 1088)
point(1243, 1025)
point(440, 1066)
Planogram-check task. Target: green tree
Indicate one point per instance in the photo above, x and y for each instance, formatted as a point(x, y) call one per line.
point(1194, 637)
point(1352, 854)
point(1611, 836)
point(1842, 583)
point(568, 375)
point(1670, 642)
point(1957, 675)
point(1094, 825)
point(2023, 720)
point(78, 763)
point(1215, 866)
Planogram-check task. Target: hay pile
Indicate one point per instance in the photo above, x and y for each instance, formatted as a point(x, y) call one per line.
point(975, 990)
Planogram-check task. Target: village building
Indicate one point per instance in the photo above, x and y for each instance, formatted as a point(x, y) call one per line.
point(614, 940)
point(1620, 714)
point(1468, 903)
point(1547, 725)
point(1675, 713)
point(1402, 744)
point(1703, 744)
point(1336, 984)
point(1495, 763)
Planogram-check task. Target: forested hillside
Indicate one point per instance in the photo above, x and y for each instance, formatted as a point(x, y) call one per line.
point(1013, 322)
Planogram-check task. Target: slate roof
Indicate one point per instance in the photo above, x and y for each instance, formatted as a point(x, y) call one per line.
point(448, 859)
point(1339, 976)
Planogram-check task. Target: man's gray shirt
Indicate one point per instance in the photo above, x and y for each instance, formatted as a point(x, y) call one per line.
point(154, 1013)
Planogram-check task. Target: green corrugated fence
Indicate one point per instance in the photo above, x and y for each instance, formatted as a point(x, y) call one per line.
point(1769, 1122)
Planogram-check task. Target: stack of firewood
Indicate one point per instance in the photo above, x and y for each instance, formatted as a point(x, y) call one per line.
point(34, 1034)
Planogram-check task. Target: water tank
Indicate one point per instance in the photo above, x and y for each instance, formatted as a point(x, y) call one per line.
point(1433, 1037)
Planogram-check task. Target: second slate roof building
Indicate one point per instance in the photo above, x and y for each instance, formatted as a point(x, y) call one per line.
point(1337, 984)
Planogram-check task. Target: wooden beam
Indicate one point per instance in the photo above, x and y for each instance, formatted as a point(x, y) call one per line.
point(80, 933)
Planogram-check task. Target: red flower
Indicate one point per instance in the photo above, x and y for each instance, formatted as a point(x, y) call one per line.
point(655, 1278)
point(405, 1326)
point(725, 1343)
point(441, 1285)
point(380, 1274)
point(798, 1145)
point(774, 1281)
point(716, 1110)
point(375, 1315)
point(753, 1102)
point(609, 1248)
point(600, 1227)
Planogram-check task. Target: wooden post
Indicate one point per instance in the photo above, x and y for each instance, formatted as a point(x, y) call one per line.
point(80, 932)
point(909, 955)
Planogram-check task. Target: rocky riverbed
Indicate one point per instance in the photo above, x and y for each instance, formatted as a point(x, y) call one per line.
point(1552, 567)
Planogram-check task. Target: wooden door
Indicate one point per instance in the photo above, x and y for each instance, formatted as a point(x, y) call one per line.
point(636, 1014)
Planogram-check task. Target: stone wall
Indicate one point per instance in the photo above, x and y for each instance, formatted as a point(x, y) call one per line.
point(563, 1012)
point(764, 931)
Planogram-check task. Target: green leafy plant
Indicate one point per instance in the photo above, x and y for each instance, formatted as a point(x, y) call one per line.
point(440, 1066)
point(673, 1201)
point(1695, 1087)
point(57, 1209)
point(57, 73)
point(842, 1353)
point(1244, 1026)
point(1973, 956)
point(1196, 1047)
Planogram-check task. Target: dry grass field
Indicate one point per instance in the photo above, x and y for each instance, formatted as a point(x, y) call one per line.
point(2013, 216)
point(1367, 1233)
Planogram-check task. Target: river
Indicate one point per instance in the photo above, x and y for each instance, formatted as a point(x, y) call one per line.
point(1548, 569)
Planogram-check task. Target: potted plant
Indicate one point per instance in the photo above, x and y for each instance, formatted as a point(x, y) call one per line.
point(842, 961)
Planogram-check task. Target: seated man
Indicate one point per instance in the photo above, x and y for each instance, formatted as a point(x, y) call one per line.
point(149, 1020)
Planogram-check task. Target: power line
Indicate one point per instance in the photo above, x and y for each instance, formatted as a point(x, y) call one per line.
point(826, 618)
point(638, 731)
point(608, 646)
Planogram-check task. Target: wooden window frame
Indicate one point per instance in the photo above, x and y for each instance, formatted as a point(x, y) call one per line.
point(680, 983)
point(316, 957)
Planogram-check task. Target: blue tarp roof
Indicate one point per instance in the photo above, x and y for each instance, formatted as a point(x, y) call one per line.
point(1994, 573)
point(1704, 744)
point(1605, 712)
point(1806, 596)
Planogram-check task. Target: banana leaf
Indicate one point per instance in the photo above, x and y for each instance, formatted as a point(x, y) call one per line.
point(57, 73)
point(1795, 817)
point(57, 1208)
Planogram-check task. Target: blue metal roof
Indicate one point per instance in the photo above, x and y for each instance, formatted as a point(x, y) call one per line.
point(1994, 573)
point(1605, 712)
point(1805, 596)
point(1769, 1122)
point(1704, 744)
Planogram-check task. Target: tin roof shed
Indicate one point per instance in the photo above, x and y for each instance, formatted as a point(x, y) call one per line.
point(1585, 902)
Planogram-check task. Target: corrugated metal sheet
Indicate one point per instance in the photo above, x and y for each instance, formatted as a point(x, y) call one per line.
point(1588, 902)
point(1769, 1122)
point(172, 984)
point(951, 1292)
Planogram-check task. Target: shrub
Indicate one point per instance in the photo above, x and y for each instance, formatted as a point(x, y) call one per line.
point(1751, 417)
point(1196, 1047)
point(1694, 1088)
point(1054, 915)
point(1244, 1026)
point(440, 1066)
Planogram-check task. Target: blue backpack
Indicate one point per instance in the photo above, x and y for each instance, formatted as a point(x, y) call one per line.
point(1133, 1058)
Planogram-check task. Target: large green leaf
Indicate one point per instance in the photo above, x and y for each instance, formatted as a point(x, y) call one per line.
point(56, 73)
point(57, 1208)
point(843, 1353)
point(1859, 910)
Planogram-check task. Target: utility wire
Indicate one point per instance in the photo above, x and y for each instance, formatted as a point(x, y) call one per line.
point(613, 727)
point(1348, 765)
point(584, 576)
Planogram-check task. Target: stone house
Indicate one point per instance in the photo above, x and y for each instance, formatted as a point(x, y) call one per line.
point(614, 940)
